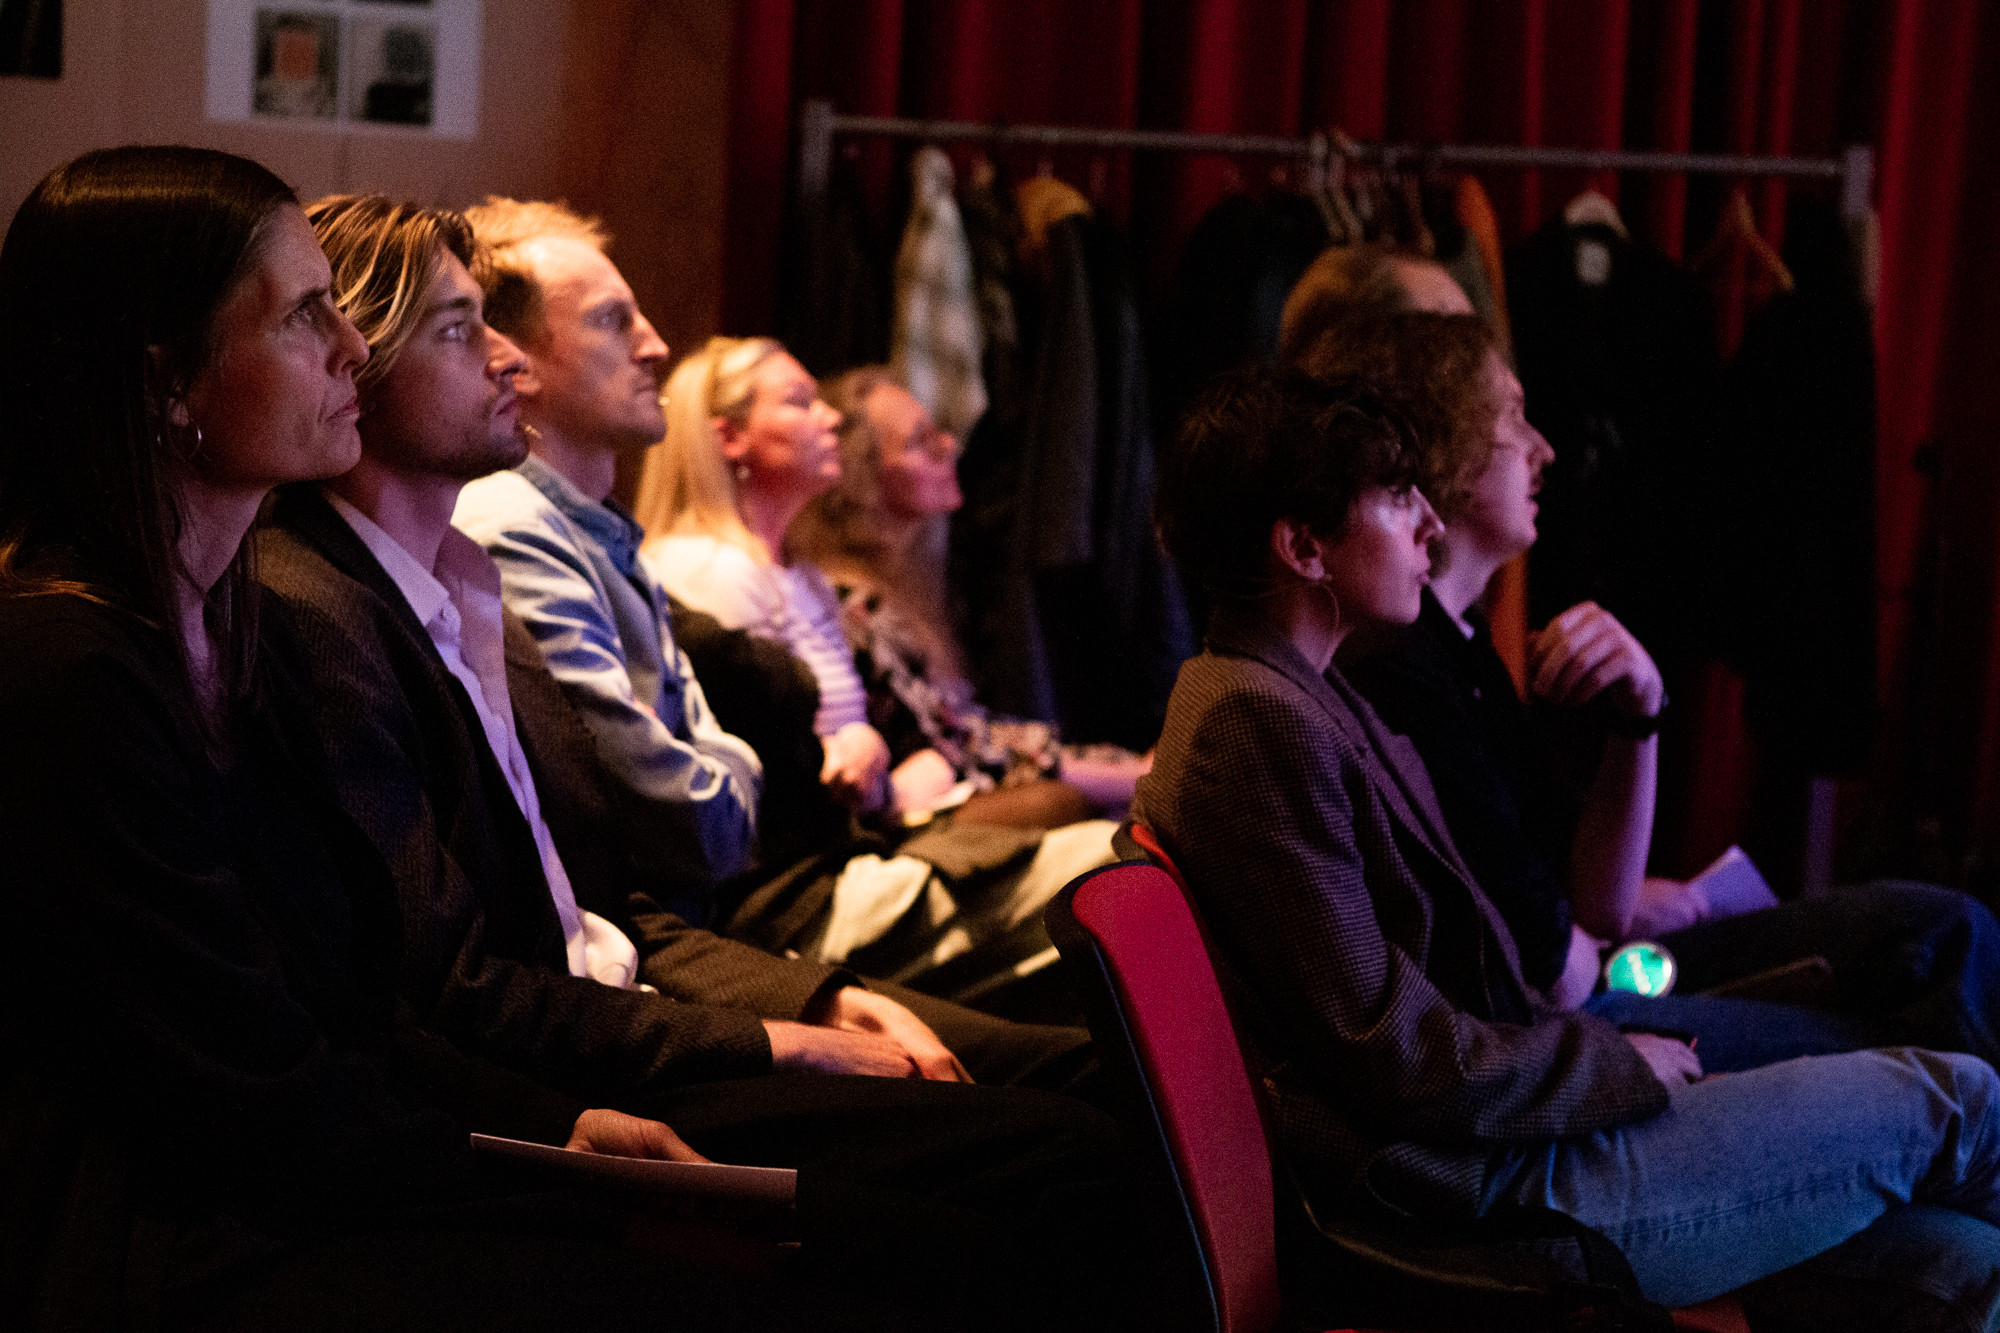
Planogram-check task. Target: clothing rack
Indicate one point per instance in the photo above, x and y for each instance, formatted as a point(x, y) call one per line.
point(820, 125)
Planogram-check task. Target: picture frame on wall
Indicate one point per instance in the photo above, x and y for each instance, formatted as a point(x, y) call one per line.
point(31, 34)
point(372, 66)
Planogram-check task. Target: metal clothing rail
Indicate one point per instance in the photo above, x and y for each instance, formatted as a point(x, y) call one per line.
point(820, 125)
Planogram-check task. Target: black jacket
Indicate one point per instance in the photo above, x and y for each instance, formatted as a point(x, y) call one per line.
point(485, 963)
point(206, 1050)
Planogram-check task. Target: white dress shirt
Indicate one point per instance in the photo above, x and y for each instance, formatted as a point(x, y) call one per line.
point(458, 604)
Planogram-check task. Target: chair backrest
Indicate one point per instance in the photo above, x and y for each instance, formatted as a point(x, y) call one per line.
point(1150, 993)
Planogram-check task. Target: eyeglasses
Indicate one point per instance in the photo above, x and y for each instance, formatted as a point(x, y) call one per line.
point(939, 446)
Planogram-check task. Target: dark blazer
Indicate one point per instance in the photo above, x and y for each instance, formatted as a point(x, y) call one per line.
point(1379, 990)
point(204, 1046)
point(1499, 778)
point(484, 957)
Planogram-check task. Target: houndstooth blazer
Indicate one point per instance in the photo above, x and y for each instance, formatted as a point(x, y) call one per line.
point(1378, 990)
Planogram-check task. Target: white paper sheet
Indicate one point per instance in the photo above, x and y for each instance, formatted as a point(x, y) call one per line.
point(770, 1184)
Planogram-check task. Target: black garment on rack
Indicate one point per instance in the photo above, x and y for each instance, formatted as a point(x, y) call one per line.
point(837, 314)
point(1239, 264)
point(1620, 376)
point(1074, 615)
point(1798, 467)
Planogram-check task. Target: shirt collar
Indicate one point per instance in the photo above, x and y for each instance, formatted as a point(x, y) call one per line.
point(420, 588)
point(608, 523)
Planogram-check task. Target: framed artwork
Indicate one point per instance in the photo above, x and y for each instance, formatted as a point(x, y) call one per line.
point(392, 66)
point(31, 38)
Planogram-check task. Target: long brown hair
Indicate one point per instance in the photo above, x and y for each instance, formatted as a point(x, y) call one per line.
point(111, 276)
point(841, 529)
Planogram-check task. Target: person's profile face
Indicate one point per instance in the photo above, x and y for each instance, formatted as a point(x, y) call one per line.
point(787, 439)
point(1377, 569)
point(448, 406)
point(595, 367)
point(1497, 516)
point(276, 401)
point(918, 467)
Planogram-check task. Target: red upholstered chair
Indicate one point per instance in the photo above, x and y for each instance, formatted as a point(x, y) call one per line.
point(1142, 969)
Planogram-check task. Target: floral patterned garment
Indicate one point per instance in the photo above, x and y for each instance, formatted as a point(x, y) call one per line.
point(913, 712)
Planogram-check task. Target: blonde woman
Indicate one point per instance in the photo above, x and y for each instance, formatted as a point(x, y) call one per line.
point(749, 443)
point(955, 911)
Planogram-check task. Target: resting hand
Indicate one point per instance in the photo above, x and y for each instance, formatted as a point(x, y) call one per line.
point(1667, 905)
point(802, 1048)
point(1672, 1062)
point(615, 1134)
point(1580, 969)
point(1585, 653)
point(853, 1009)
point(857, 761)
point(920, 781)
point(1108, 783)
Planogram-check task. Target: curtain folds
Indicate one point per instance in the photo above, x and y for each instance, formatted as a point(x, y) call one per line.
point(1763, 76)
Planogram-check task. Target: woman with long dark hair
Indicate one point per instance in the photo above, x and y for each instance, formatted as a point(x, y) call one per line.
point(212, 1112)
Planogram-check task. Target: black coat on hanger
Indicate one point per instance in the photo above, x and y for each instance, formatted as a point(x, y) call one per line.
point(1616, 351)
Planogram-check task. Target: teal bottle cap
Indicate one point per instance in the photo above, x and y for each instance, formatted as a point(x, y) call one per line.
point(1642, 967)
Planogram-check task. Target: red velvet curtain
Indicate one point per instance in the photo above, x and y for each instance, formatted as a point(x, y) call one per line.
point(1765, 76)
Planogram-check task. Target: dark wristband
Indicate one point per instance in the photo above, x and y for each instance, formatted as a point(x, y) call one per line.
point(1635, 728)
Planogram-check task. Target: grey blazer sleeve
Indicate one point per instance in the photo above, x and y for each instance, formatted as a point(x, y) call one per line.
point(1302, 877)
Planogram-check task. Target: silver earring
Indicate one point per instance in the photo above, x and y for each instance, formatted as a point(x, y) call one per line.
point(742, 472)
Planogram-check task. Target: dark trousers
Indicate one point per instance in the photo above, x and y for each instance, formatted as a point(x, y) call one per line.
point(921, 1205)
point(1051, 1057)
point(1914, 965)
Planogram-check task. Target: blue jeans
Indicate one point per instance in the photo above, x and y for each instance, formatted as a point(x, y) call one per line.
point(1913, 965)
point(1754, 1172)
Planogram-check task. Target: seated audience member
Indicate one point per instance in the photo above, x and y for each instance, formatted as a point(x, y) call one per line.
point(1406, 1061)
point(411, 657)
point(748, 443)
point(1348, 279)
point(954, 911)
point(566, 549)
point(876, 536)
point(226, 1119)
point(1914, 964)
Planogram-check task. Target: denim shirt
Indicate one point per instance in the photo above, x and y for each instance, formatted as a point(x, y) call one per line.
point(569, 570)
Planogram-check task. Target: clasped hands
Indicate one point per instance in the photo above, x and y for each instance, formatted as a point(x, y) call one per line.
point(851, 1031)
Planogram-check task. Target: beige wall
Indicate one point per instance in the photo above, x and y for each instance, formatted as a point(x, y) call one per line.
point(618, 105)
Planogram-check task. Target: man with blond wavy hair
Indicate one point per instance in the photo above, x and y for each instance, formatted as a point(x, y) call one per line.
point(531, 933)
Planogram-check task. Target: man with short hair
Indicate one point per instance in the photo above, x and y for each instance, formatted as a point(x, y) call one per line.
point(568, 552)
point(458, 757)
point(455, 753)
point(589, 397)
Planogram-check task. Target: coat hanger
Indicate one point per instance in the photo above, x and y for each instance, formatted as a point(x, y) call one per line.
point(1594, 207)
point(1343, 223)
point(1736, 226)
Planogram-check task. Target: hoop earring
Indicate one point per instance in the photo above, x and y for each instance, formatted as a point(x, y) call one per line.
point(1325, 585)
